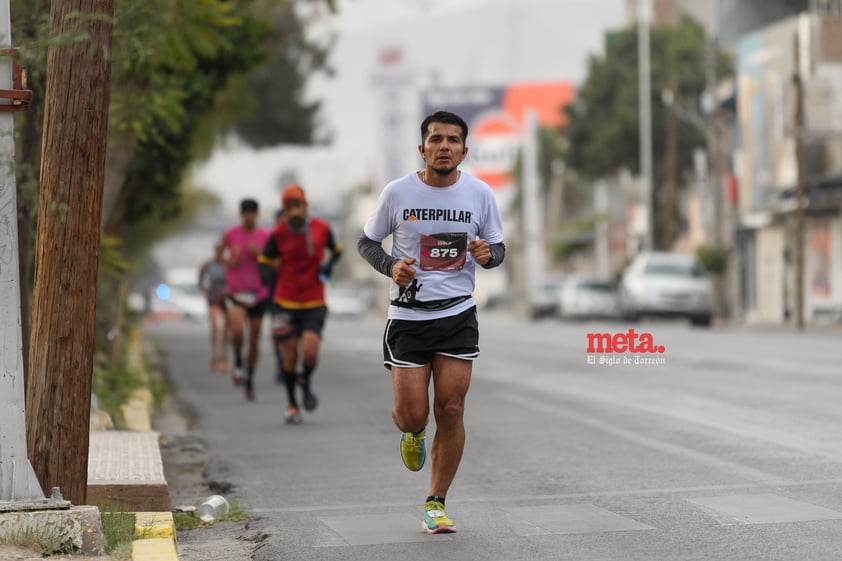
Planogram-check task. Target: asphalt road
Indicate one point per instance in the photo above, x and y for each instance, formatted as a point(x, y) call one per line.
point(729, 448)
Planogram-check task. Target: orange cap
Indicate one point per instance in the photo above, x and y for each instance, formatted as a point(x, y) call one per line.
point(293, 193)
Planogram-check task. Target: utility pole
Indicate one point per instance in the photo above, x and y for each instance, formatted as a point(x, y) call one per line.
point(602, 241)
point(798, 250)
point(671, 175)
point(710, 108)
point(644, 74)
point(19, 487)
point(68, 244)
point(533, 211)
point(712, 137)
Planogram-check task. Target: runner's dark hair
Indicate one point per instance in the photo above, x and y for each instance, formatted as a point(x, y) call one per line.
point(447, 118)
point(248, 205)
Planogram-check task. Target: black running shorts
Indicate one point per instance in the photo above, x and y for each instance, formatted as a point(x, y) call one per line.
point(255, 310)
point(412, 343)
point(292, 322)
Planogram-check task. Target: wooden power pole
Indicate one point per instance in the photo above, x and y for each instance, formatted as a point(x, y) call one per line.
point(68, 244)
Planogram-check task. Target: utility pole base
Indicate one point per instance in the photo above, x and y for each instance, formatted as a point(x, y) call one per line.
point(25, 492)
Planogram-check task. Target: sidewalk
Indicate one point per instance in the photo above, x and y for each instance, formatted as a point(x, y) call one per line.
point(125, 468)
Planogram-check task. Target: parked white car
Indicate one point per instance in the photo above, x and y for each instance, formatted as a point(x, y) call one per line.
point(668, 285)
point(583, 298)
point(546, 300)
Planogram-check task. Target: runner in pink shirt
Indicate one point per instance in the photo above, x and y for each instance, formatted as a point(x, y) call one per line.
point(247, 296)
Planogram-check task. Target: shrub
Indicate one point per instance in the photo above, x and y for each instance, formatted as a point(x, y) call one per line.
point(713, 258)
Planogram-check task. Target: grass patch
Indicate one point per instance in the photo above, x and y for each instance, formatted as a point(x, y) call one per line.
point(188, 521)
point(122, 552)
point(113, 386)
point(191, 520)
point(235, 513)
point(159, 387)
point(118, 526)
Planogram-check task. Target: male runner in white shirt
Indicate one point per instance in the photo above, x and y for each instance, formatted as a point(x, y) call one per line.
point(443, 222)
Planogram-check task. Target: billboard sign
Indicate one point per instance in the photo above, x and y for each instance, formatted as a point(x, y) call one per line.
point(496, 122)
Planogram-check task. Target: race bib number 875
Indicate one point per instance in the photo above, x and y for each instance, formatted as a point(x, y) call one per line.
point(443, 252)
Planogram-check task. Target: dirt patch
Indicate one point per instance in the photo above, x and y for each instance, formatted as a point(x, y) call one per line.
point(183, 453)
point(16, 553)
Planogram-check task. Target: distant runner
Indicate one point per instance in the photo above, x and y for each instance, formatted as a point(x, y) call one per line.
point(212, 275)
point(247, 296)
point(298, 309)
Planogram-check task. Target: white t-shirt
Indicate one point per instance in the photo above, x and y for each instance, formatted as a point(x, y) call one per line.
point(434, 225)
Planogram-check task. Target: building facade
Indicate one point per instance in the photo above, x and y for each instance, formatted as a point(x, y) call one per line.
point(768, 168)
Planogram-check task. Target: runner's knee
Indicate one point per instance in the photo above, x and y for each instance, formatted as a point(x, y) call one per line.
point(410, 418)
point(449, 410)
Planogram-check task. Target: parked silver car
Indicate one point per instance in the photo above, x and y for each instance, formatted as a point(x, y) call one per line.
point(666, 284)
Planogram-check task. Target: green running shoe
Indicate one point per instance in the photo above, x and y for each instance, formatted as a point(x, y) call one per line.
point(435, 520)
point(414, 449)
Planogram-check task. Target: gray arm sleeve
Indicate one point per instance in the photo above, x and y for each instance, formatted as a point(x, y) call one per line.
point(498, 253)
point(376, 256)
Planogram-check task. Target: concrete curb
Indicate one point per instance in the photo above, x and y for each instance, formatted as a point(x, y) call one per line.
point(155, 537)
point(155, 534)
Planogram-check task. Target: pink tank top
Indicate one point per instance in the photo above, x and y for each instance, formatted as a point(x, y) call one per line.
point(243, 279)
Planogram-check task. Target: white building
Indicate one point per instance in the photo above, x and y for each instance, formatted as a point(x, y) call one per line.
point(767, 169)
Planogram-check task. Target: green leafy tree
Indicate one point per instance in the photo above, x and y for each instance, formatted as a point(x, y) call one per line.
point(179, 75)
point(279, 112)
point(163, 74)
point(602, 133)
point(173, 64)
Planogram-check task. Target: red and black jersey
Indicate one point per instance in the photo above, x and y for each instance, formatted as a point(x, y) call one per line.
point(301, 254)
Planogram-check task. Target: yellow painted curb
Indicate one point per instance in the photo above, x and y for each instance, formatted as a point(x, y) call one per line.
point(144, 396)
point(138, 410)
point(154, 525)
point(136, 414)
point(154, 531)
point(154, 549)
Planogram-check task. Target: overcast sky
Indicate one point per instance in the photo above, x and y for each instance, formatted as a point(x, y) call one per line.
point(447, 42)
